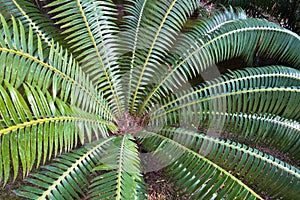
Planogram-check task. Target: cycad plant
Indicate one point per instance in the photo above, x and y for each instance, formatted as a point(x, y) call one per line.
point(89, 104)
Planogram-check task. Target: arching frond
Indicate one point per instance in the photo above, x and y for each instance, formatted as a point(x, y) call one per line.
point(154, 39)
point(239, 38)
point(130, 35)
point(250, 91)
point(91, 31)
point(38, 127)
point(256, 100)
point(31, 16)
point(24, 60)
point(208, 179)
point(219, 116)
point(67, 177)
point(121, 178)
point(201, 27)
point(246, 164)
point(263, 129)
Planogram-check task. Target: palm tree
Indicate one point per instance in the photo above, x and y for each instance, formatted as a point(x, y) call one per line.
point(90, 104)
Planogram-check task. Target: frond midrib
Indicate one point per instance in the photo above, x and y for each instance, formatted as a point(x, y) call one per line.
point(32, 24)
point(119, 177)
point(275, 121)
point(135, 42)
point(112, 89)
point(51, 119)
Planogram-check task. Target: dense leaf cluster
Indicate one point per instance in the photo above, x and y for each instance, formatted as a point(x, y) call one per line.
point(86, 100)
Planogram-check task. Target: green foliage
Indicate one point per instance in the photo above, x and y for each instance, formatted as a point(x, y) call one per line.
point(86, 99)
point(206, 175)
point(67, 175)
point(122, 174)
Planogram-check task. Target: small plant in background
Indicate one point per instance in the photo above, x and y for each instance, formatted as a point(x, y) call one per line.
point(89, 104)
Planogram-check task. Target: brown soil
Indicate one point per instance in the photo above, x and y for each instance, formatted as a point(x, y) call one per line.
point(7, 191)
point(160, 188)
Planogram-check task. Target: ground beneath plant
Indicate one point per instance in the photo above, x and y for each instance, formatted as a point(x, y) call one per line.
point(7, 192)
point(160, 188)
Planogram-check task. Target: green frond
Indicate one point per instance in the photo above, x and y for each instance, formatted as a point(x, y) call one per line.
point(256, 100)
point(131, 29)
point(266, 173)
point(32, 16)
point(192, 172)
point(207, 155)
point(199, 29)
point(154, 39)
point(67, 177)
point(89, 28)
point(273, 131)
point(121, 177)
point(239, 38)
point(24, 60)
point(272, 90)
point(29, 129)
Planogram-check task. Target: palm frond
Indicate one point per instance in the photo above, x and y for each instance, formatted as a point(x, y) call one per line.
point(131, 29)
point(90, 30)
point(267, 99)
point(263, 129)
point(121, 178)
point(31, 16)
point(209, 180)
point(29, 129)
point(255, 168)
point(251, 91)
point(24, 60)
point(154, 39)
point(239, 38)
point(242, 167)
point(67, 176)
point(199, 29)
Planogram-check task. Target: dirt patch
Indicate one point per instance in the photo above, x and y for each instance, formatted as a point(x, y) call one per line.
point(160, 187)
point(7, 191)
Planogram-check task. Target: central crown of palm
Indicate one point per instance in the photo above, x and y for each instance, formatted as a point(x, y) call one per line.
point(99, 92)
